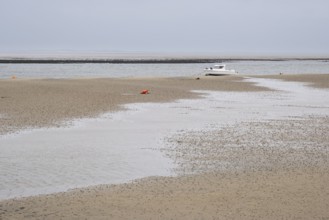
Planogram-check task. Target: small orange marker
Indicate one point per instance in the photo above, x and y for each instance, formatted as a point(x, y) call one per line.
point(144, 92)
point(13, 77)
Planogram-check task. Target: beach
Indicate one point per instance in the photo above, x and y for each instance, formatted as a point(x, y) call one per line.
point(250, 169)
point(49, 102)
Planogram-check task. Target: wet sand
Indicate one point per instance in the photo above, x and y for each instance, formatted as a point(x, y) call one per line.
point(315, 80)
point(281, 168)
point(50, 102)
point(298, 194)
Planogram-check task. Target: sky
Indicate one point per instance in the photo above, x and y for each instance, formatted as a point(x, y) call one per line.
point(223, 27)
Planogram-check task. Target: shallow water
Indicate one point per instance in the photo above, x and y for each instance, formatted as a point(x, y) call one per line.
point(158, 70)
point(123, 146)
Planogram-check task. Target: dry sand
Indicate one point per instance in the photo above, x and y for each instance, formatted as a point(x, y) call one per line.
point(281, 169)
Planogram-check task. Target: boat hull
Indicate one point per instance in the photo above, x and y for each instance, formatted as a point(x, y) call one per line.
point(219, 73)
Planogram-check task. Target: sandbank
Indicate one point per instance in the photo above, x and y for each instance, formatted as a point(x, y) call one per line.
point(315, 80)
point(281, 169)
point(33, 103)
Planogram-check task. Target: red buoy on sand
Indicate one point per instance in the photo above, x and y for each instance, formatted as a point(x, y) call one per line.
point(144, 92)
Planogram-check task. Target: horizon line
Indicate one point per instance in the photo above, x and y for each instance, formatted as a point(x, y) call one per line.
point(135, 60)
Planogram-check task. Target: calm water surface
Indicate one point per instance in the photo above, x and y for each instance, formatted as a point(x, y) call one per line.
point(170, 70)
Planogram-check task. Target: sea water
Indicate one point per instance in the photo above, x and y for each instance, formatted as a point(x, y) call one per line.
point(91, 70)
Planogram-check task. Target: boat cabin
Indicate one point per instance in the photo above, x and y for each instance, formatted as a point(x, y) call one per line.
point(219, 66)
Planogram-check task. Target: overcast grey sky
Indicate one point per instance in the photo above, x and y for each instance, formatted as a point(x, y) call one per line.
point(231, 27)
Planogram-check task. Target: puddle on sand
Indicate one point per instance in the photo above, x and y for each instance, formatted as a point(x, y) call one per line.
point(123, 146)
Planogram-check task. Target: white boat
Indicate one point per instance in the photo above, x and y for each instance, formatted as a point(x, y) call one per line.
point(218, 70)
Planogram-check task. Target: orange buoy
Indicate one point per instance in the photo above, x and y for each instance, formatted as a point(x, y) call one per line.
point(13, 77)
point(144, 92)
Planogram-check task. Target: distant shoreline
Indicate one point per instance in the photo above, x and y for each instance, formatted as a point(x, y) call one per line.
point(148, 61)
